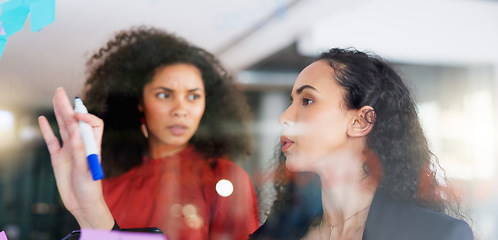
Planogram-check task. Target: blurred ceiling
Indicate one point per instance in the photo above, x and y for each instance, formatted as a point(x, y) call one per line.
point(246, 33)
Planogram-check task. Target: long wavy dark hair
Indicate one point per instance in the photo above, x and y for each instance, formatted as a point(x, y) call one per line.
point(402, 162)
point(118, 73)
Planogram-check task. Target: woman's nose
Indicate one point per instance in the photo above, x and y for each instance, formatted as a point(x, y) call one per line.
point(285, 119)
point(180, 109)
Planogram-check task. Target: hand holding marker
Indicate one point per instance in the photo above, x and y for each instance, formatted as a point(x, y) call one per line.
point(92, 154)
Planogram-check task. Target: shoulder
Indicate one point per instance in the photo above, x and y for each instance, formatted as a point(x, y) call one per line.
point(225, 166)
point(123, 181)
point(392, 219)
point(120, 178)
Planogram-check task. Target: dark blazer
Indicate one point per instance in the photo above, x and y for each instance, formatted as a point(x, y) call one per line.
point(391, 219)
point(388, 219)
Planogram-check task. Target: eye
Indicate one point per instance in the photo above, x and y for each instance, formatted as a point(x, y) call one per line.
point(306, 101)
point(162, 95)
point(194, 96)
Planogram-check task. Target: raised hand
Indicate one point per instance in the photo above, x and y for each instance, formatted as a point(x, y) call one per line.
point(80, 194)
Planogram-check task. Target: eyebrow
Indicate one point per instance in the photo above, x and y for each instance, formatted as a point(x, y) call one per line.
point(301, 89)
point(171, 90)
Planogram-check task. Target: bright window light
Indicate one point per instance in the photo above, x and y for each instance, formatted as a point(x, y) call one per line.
point(6, 121)
point(7, 131)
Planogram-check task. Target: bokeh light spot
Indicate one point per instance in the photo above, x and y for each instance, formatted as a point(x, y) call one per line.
point(224, 188)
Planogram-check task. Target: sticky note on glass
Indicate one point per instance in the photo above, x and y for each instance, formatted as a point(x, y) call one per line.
point(3, 41)
point(13, 17)
point(42, 13)
point(15, 12)
point(2, 32)
point(93, 234)
point(3, 236)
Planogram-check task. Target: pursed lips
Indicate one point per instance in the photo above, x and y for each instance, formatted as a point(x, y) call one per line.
point(286, 143)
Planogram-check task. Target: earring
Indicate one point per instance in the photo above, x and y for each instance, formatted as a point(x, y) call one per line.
point(370, 116)
point(143, 127)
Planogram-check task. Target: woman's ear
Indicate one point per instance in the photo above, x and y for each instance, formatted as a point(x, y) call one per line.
point(362, 123)
point(143, 125)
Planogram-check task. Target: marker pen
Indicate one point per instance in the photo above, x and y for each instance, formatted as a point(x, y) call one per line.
point(92, 153)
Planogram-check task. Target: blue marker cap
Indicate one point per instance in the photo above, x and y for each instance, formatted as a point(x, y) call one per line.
point(95, 167)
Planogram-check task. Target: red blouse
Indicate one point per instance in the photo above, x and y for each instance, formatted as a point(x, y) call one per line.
point(178, 195)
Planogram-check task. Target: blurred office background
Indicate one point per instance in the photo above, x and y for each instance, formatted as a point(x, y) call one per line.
point(446, 49)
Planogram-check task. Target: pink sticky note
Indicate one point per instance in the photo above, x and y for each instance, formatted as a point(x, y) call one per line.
point(92, 234)
point(2, 32)
point(3, 236)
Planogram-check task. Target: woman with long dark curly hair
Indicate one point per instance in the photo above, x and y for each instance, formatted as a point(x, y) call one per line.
point(353, 132)
point(174, 117)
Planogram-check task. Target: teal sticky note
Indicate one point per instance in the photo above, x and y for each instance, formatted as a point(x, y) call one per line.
point(42, 13)
point(12, 4)
point(3, 41)
point(13, 17)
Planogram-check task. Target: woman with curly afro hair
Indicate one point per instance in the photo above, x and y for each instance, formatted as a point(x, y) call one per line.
point(174, 120)
point(357, 164)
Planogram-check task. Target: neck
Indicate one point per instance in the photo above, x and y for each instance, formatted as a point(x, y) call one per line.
point(346, 207)
point(347, 193)
point(157, 151)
